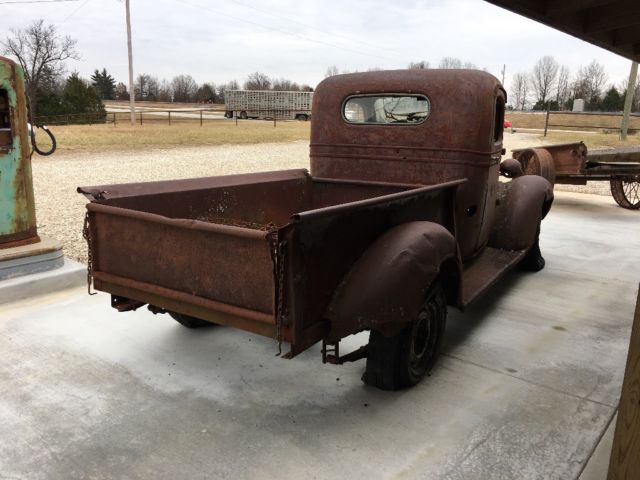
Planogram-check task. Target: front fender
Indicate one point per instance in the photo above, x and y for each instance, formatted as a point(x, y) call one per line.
point(522, 204)
point(388, 284)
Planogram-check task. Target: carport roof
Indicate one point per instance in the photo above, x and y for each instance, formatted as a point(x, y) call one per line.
point(610, 24)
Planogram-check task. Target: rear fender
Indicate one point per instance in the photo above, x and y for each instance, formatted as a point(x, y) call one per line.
point(522, 203)
point(387, 286)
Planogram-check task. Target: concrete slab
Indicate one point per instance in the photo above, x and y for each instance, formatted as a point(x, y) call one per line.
point(67, 274)
point(528, 383)
point(33, 258)
point(598, 466)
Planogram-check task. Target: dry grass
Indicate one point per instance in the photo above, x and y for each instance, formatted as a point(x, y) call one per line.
point(164, 105)
point(107, 138)
point(592, 140)
point(563, 122)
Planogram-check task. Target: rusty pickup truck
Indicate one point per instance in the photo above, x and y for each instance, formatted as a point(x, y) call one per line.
point(403, 214)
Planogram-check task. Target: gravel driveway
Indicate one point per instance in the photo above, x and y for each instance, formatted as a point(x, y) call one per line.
point(60, 210)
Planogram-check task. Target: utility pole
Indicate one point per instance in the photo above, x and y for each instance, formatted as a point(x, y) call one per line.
point(132, 92)
point(631, 87)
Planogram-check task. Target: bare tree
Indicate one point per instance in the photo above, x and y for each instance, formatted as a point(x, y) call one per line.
point(543, 78)
point(257, 81)
point(453, 62)
point(41, 53)
point(285, 85)
point(562, 87)
point(232, 85)
point(164, 91)
point(450, 62)
point(331, 71)
point(590, 81)
point(421, 65)
point(184, 88)
point(520, 90)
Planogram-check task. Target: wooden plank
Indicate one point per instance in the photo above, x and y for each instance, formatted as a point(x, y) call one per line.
point(625, 454)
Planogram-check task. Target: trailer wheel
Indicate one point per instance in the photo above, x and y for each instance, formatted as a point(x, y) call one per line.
point(626, 191)
point(302, 116)
point(401, 361)
point(533, 261)
point(189, 321)
point(243, 115)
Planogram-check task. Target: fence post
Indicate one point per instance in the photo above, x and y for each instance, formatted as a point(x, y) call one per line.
point(236, 120)
point(140, 117)
point(546, 122)
point(200, 117)
point(169, 117)
point(114, 119)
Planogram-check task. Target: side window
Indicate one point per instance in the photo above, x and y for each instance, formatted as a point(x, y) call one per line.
point(498, 127)
point(6, 139)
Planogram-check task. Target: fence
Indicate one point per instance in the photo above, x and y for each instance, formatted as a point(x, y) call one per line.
point(589, 121)
point(168, 117)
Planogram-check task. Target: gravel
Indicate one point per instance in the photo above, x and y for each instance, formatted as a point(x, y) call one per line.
point(60, 210)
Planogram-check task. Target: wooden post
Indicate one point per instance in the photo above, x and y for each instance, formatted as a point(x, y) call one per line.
point(169, 117)
point(631, 87)
point(114, 119)
point(625, 454)
point(546, 122)
point(140, 117)
point(200, 117)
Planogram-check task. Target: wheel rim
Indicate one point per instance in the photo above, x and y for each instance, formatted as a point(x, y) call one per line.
point(626, 191)
point(423, 339)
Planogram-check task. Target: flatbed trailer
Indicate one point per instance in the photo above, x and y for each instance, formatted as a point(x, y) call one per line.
point(573, 164)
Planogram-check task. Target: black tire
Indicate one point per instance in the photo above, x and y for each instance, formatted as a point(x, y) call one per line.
point(533, 261)
point(626, 191)
point(398, 362)
point(243, 115)
point(189, 321)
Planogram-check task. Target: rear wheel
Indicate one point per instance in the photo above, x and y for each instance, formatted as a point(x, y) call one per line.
point(401, 361)
point(626, 191)
point(189, 321)
point(243, 115)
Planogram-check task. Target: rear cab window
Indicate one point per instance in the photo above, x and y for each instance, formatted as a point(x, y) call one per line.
point(386, 109)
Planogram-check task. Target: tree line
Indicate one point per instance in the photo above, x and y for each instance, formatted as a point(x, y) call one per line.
point(183, 88)
point(552, 86)
point(41, 52)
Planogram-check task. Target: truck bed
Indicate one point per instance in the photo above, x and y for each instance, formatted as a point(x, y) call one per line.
point(207, 247)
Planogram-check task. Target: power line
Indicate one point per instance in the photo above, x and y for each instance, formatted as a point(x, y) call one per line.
point(289, 19)
point(75, 11)
point(36, 1)
point(284, 32)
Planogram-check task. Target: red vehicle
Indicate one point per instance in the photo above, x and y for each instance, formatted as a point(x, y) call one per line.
point(403, 214)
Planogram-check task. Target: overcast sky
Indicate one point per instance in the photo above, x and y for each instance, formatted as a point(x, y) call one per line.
point(298, 40)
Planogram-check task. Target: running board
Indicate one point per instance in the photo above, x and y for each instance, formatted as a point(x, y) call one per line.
point(486, 270)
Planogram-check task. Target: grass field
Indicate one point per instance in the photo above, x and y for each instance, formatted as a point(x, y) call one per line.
point(593, 140)
point(559, 121)
point(80, 138)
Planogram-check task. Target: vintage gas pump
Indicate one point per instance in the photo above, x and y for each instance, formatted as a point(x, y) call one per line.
point(17, 207)
point(22, 251)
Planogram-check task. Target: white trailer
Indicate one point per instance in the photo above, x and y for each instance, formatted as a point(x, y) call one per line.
point(267, 104)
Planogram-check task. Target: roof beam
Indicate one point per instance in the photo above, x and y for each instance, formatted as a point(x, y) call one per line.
point(569, 7)
point(606, 18)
